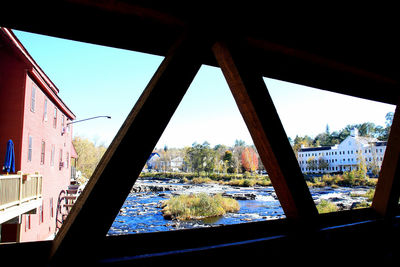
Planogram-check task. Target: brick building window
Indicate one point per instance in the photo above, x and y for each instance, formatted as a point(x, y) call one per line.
point(45, 110)
point(53, 150)
point(55, 118)
point(61, 164)
point(51, 208)
point(41, 214)
point(43, 152)
point(33, 98)
point(30, 141)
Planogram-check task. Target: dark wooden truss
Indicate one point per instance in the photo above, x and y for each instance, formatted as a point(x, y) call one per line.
point(342, 53)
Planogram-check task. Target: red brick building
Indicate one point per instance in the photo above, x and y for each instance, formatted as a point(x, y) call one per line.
point(35, 118)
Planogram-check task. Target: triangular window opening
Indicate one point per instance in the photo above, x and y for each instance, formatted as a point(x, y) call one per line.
point(205, 153)
point(339, 142)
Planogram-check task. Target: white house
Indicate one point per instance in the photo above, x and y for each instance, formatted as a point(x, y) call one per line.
point(153, 161)
point(176, 164)
point(343, 157)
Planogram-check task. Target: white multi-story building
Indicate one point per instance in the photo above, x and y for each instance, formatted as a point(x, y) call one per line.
point(345, 156)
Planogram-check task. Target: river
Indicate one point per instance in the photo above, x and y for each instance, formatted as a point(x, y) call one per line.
point(141, 211)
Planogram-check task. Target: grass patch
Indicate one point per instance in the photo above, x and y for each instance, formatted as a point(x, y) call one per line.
point(326, 206)
point(369, 194)
point(201, 180)
point(348, 179)
point(245, 180)
point(198, 206)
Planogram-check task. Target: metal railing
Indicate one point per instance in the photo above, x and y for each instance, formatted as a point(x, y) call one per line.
point(17, 189)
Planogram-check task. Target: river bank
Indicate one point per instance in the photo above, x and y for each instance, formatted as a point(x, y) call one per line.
point(141, 211)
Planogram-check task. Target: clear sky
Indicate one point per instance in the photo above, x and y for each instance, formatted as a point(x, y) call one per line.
point(96, 80)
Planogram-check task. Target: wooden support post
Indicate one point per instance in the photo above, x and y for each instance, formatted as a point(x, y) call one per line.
point(262, 120)
point(387, 191)
point(20, 186)
point(95, 210)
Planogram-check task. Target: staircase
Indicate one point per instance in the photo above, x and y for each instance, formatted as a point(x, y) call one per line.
point(66, 201)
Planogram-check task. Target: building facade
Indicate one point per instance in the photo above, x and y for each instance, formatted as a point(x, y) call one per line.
point(345, 156)
point(35, 118)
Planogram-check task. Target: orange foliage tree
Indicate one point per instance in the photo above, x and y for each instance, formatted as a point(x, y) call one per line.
point(249, 159)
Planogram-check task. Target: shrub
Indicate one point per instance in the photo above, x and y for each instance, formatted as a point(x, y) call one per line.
point(198, 206)
point(349, 179)
point(370, 194)
point(264, 182)
point(201, 180)
point(326, 206)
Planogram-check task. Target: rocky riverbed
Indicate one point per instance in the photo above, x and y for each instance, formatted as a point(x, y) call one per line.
point(141, 211)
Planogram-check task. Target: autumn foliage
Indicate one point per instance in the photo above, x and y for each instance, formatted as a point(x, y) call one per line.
point(249, 159)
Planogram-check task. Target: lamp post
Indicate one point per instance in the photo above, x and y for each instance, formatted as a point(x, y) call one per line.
point(108, 117)
point(63, 130)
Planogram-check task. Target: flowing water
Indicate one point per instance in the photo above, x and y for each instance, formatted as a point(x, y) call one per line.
point(141, 211)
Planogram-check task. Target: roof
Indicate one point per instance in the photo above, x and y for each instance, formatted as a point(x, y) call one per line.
point(36, 73)
point(320, 148)
point(366, 140)
point(153, 154)
point(352, 53)
point(381, 143)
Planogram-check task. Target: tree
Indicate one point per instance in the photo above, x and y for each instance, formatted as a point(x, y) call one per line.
point(228, 159)
point(312, 163)
point(366, 129)
point(236, 155)
point(322, 164)
point(373, 165)
point(200, 157)
point(361, 165)
point(327, 130)
point(249, 159)
point(89, 155)
point(299, 141)
point(221, 165)
point(239, 143)
point(389, 119)
point(384, 132)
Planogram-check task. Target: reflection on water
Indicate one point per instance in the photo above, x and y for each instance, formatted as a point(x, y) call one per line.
point(211, 220)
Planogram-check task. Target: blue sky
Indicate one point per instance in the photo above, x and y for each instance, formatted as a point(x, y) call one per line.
point(96, 80)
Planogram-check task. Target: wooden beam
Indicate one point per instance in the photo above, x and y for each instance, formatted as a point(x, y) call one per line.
point(262, 120)
point(96, 208)
point(387, 190)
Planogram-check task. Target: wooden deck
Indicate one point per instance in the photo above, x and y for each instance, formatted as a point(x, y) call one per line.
point(19, 194)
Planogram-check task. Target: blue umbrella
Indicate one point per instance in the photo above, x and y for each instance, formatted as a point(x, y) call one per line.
point(9, 162)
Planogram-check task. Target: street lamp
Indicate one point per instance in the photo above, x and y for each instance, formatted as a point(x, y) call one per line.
point(63, 130)
point(108, 117)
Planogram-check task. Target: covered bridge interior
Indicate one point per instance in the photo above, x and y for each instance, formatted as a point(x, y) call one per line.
point(339, 49)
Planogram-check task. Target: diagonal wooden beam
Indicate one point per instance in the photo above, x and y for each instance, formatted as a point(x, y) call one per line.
point(262, 120)
point(387, 192)
point(110, 184)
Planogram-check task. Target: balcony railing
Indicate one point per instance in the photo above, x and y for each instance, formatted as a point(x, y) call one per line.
point(18, 189)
